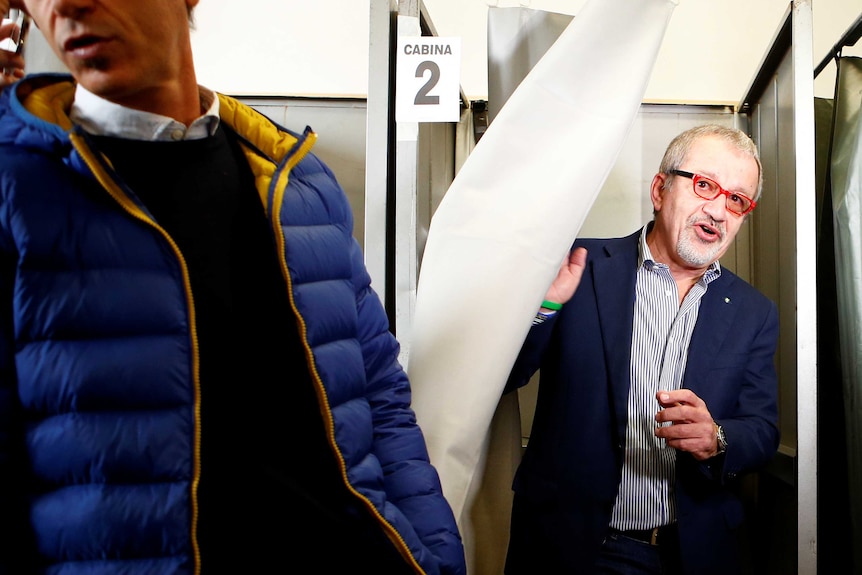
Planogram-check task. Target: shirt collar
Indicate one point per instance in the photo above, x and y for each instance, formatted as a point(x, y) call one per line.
point(646, 260)
point(100, 117)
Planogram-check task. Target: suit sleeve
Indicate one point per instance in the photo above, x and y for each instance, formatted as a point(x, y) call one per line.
point(752, 428)
point(530, 357)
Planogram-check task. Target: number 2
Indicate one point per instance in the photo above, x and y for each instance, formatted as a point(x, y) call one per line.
point(422, 98)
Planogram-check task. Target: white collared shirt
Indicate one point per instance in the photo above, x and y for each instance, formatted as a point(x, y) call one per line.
point(100, 117)
point(661, 333)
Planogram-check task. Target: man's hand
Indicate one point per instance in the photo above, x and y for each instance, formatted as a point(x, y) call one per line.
point(692, 428)
point(568, 277)
point(11, 64)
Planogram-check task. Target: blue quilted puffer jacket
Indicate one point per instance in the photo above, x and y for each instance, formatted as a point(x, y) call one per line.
point(99, 390)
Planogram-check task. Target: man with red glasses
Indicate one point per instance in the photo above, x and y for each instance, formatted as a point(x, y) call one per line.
point(658, 387)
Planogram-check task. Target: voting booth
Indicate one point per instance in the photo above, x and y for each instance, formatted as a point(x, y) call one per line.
point(799, 247)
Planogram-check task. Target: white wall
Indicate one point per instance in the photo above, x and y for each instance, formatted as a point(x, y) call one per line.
point(832, 18)
point(712, 49)
point(283, 47)
point(711, 52)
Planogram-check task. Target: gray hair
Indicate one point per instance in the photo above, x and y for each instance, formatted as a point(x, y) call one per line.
point(679, 147)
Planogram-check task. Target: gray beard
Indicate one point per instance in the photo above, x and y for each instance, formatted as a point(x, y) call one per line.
point(686, 248)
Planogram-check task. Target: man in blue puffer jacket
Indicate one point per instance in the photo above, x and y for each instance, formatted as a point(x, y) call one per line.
point(195, 374)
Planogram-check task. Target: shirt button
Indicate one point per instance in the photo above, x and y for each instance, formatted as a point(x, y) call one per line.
point(667, 293)
point(177, 135)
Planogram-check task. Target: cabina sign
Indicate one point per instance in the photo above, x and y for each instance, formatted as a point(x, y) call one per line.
point(428, 71)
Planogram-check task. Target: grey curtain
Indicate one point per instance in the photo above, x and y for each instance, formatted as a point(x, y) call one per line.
point(840, 327)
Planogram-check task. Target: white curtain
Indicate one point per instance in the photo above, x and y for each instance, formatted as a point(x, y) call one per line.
point(518, 37)
point(498, 236)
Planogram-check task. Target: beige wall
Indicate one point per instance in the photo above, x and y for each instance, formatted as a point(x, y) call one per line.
point(300, 48)
point(712, 49)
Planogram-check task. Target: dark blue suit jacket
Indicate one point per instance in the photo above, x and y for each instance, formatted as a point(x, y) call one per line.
point(567, 482)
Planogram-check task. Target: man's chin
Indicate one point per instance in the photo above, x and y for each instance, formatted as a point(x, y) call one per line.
point(101, 82)
point(700, 256)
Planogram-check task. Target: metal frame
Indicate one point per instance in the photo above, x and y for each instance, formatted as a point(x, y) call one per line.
point(378, 143)
point(399, 187)
point(850, 37)
point(794, 40)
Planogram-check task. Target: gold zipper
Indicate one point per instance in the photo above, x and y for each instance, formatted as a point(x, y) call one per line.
point(110, 185)
point(282, 177)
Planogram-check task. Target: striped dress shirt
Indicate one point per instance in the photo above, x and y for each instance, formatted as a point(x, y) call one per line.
point(661, 332)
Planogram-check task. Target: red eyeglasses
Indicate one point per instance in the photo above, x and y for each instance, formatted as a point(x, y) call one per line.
point(736, 203)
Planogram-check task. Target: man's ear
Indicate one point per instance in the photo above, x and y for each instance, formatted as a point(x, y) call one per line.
point(657, 190)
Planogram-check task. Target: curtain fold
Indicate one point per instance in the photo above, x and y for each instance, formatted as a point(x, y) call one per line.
point(845, 178)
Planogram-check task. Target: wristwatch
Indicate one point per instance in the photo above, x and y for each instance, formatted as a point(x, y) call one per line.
point(719, 436)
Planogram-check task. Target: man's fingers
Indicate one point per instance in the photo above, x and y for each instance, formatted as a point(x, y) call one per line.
point(681, 413)
point(578, 258)
point(679, 396)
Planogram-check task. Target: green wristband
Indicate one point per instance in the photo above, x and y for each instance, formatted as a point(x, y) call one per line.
point(552, 305)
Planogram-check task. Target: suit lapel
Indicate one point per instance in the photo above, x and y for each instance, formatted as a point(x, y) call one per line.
point(717, 305)
point(614, 284)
